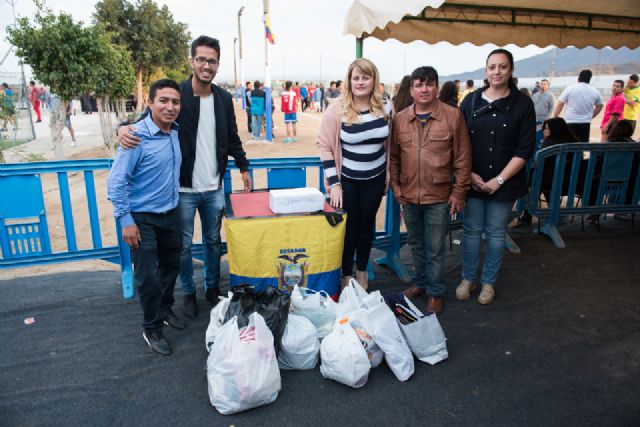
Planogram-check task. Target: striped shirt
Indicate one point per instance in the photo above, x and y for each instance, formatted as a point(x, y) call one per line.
point(363, 154)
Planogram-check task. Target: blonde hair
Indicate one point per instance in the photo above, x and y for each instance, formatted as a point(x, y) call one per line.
point(349, 111)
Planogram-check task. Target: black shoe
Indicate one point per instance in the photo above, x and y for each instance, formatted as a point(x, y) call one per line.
point(157, 342)
point(170, 319)
point(213, 296)
point(190, 309)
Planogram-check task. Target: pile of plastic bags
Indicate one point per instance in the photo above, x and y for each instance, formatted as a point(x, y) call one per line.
point(350, 337)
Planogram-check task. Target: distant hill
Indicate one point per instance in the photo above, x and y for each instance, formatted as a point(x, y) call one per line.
point(569, 61)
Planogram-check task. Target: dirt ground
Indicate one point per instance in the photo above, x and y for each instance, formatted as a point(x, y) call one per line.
point(90, 146)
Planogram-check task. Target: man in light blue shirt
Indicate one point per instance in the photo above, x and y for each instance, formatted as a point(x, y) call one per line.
point(143, 188)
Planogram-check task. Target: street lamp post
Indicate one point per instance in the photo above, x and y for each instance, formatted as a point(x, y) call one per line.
point(235, 73)
point(244, 105)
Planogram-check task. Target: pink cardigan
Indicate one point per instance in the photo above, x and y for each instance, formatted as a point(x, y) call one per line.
point(328, 140)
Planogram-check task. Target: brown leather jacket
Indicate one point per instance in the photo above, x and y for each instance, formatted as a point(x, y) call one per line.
point(424, 159)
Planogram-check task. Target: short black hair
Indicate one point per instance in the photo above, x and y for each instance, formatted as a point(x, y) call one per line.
point(585, 76)
point(247, 83)
point(257, 84)
point(338, 83)
point(288, 85)
point(634, 77)
point(425, 74)
point(332, 82)
point(544, 80)
point(470, 83)
point(32, 83)
point(161, 84)
point(620, 82)
point(4, 85)
point(205, 41)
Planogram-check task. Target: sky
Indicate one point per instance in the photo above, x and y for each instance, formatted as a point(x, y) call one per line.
point(309, 44)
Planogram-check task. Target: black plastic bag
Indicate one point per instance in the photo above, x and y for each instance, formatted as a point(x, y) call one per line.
point(271, 303)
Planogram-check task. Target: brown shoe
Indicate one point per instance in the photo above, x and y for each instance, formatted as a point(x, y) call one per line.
point(413, 292)
point(434, 305)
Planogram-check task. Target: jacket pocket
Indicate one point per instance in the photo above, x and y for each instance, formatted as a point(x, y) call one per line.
point(441, 177)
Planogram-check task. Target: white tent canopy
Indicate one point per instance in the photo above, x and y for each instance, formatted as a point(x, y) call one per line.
point(578, 23)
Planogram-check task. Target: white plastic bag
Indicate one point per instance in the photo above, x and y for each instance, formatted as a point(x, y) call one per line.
point(242, 370)
point(359, 323)
point(216, 319)
point(343, 359)
point(300, 345)
point(350, 298)
point(318, 307)
point(425, 336)
point(386, 333)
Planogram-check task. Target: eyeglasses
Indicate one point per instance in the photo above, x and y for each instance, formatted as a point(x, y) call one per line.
point(201, 60)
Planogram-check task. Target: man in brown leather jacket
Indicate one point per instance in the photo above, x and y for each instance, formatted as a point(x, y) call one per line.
point(430, 168)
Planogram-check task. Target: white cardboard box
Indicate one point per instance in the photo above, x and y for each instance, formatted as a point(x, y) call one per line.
point(296, 200)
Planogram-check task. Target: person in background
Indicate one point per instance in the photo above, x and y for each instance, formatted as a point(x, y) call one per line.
point(143, 188)
point(353, 142)
point(67, 124)
point(543, 102)
point(632, 100)
point(383, 92)
point(402, 98)
point(429, 147)
point(468, 89)
point(449, 94)
point(317, 99)
point(583, 103)
point(613, 110)
point(247, 104)
point(502, 125)
point(304, 98)
point(8, 107)
point(34, 99)
point(288, 105)
point(621, 131)
point(458, 90)
point(258, 99)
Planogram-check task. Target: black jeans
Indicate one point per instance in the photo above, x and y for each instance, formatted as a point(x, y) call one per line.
point(249, 119)
point(581, 130)
point(157, 264)
point(361, 199)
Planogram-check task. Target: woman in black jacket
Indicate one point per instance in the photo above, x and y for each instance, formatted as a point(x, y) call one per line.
point(502, 126)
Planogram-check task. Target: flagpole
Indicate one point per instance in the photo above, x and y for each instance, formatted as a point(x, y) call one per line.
point(235, 74)
point(267, 76)
point(244, 105)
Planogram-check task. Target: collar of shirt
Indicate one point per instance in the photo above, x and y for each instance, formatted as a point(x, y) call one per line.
point(153, 127)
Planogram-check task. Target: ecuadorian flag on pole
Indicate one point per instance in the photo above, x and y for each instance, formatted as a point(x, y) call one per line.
point(268, 32)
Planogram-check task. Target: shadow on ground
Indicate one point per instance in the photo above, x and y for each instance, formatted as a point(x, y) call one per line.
point(560, 346)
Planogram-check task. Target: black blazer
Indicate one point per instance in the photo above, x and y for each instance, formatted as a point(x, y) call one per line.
point(228, 142)
point(499, 131)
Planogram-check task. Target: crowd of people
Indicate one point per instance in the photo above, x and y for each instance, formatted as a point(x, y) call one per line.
point(441, 150)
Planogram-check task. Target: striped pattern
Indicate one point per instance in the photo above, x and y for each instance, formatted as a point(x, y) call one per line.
point(363, 155)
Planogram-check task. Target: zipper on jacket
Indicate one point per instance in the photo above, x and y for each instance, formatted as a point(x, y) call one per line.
point(420, 137)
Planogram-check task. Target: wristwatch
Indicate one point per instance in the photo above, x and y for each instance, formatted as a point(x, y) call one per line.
point(500, 180)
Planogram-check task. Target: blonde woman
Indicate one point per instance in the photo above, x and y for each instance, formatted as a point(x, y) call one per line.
point(353, 142)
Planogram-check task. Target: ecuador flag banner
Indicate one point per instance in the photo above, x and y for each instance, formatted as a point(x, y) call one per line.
point(285, 251)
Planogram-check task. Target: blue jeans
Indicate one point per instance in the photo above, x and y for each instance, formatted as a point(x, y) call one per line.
point(256, 125)
point(427, 227)
point(210, 205)
point(482, 214)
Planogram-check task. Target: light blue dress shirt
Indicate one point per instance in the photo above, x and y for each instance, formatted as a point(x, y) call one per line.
point(146, 178)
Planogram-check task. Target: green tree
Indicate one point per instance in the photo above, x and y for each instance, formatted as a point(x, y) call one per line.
point(114, 82)
point(62, 54)
point(152, 36)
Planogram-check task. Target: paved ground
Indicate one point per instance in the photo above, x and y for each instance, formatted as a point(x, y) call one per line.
point(560, 346)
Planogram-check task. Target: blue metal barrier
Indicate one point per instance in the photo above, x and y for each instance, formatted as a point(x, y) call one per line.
point(608, 182)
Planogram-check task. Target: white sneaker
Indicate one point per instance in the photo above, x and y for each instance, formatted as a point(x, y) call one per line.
point(464, 289)
point(486, 295)
point(73, 144)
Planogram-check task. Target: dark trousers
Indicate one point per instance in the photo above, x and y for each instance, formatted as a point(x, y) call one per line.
point(361, 199)
point(249, 119)
point(581, 130)
point(157, 264)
